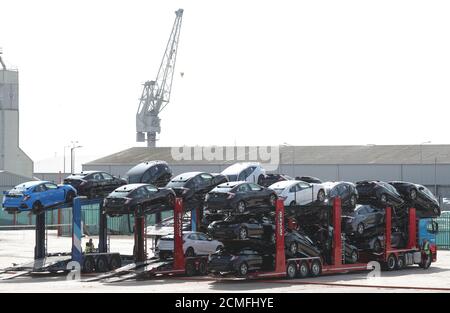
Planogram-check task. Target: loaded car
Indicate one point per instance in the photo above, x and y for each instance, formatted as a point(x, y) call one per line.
point(157, 173)
point(271, 179)
point(37, 195)
point(239, 197)
point(194, 243)
point(377, 243)
point(297, 243)
point(144, 197)
point(294, 192)
point(246, 171)
point(94, 183)
point(365, 220)
point(242, 227)
point(239, 260)
point(195, 185)
point(346, 191)
point(378, 193)
point(420, 197)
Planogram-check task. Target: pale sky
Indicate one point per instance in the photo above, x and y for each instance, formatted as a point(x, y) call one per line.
point(255, 72)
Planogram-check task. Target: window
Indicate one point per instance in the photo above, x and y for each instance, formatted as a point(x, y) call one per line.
point(253, 221)
point(294, 188)
point(146, 177)
point(243, 188)
point(206, 177)
point(40, 188)
point(154, 170)
point(97, 176)
point(107, 176)
point(362, 211)
point(193, 237)
point(51, 186)
point(202, 237)
point(151, 189)
point(255, 187)
point(141, 193)
point(303, 185)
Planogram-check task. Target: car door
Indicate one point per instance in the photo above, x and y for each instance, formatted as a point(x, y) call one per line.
point(256, 194)
point(254, 228)
point(205, 245)
point(108, 182)
point(40, 195)
point(54, 194)
point(244, 193)
point(206, 182)
point(304, 193)
point(152, 195)
point(371, 216)
point(345, 193)
point(194, 243)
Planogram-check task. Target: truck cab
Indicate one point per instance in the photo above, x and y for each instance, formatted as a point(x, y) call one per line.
point(428, 229)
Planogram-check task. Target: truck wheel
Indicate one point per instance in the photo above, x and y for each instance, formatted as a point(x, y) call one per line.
point(291, 270)
point(202, 268)
point(316, 268)
point(115, 262)
point(401, 264)
point(190, 268)
point(303, 270)
point(391, 262)
point(88, 264)
point(102, 264)
point(425, 264)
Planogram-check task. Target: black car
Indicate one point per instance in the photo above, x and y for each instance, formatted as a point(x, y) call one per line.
point(346, 191)
point(94, 183)
point(297, 243)
point(378, 193)
point(309, 179)
point(141, 198)
point(208, 218)
point(420, 197)
point(365, 220)
point(239, 260)
point(239, 197)
point(377, 243)
point(195, 185)
point(242, 227)
point(157, 173)
point(271, 179)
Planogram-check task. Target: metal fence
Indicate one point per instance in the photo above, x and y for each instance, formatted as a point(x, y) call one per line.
point(443, 236)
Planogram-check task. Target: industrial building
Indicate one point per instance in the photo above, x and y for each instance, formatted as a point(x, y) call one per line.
point(424, 164)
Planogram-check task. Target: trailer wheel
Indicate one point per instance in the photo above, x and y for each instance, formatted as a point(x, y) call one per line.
point(115, 262)
point(391, 262)
point(88, 264)
point(291, 270)
point(303, 270)
point(202, 268)
point(316, 268)
point(190, 268)
point(101, 265)
point(401, 264)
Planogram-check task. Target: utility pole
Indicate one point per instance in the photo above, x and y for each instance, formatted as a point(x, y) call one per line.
point(72, 155)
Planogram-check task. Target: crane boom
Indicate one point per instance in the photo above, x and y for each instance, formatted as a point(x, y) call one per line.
point(156, 93)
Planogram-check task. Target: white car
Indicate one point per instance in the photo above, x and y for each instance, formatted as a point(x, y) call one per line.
point(246, 171)
point(296, 192)
point(194, 243)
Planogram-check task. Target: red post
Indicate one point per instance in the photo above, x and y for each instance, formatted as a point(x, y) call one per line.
point(59, 223)
point(412, 227)
point(388, 230)
point(178, 253)
point(14, 219)
point(280, 257)
point(337, 239)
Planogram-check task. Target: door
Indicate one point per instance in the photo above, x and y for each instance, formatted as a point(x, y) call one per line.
point(54, 194)
point(254, 228)
point(304, 193)
point(205, 245)
point(245, 193)
point(108, 182)
point(256, 194)
point(41, 195)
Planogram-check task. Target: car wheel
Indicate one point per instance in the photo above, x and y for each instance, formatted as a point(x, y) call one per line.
point(115, 262)
point(377, 246)
point(391, 262)
point(293, 249)
point(243, 233)
point(353, 201)
point(293, 203)
point(190, 252)
point(321, 195)
point(88, 264)
point(413, 194)
point(171, 200)
point(401, 264)
point(383, 198)
point(241, 207)
point(102, 264)
point(70, 196)
point(354, 256)
point(291, 270)
point(303, 270)
point(242, 270)
point(202, 268)
point(316, 268)
point(360, 229)
point(272, 200)
point(190, 269)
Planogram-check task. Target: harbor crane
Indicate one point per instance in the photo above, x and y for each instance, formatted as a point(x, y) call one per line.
point(156, 93)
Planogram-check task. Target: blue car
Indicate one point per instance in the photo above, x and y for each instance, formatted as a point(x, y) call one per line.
point(36, 196)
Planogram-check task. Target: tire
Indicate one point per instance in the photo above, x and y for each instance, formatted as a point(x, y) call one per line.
point(303, 270)
point(427, 263)
point(413, 194)
point(293, 249)
point(391, 263)
point(273, 200)
point(241, 207)
point(242, 270)
point(70, 196)
point(190, 269)
point(101, 266)
point(292, 204)
point(291, 270)
point(353, 201)
point(321, 196)
point(354, 256)
point(190, 252)
point(377, 246)
point(88, 265)
point(115, 262)
point(171, 200)
point(243, 233)
point(401, 264)
point(202, 268)
point(360, 229)
point(383, 199)
point(316, 268)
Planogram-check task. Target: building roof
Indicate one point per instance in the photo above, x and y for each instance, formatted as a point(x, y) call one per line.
point(367, 154)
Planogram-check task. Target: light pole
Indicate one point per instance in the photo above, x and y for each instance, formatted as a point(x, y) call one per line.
point(64, 166)
point(72, 155)
point(421, 160)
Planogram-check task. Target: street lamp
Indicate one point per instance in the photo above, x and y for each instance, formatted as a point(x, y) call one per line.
point(72, 155)
point(64, 166)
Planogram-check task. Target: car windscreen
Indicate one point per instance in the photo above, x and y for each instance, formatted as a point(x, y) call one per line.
point(121, 193)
